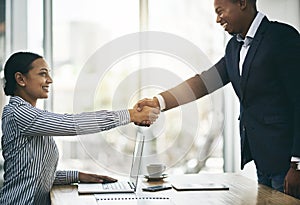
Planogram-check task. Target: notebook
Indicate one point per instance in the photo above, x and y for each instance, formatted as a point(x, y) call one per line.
point(119, 186)
point(132, 199)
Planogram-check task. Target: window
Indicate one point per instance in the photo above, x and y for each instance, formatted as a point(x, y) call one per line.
point(202, 150)
point(80, 30)
point(2, 59)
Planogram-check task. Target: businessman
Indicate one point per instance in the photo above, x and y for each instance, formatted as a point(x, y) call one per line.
point(262, 62)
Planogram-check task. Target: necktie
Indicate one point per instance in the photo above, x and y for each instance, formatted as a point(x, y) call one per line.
point(247, 41)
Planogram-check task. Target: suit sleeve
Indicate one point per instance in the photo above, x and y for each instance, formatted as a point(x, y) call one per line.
point(290, 72)
point(197, 86)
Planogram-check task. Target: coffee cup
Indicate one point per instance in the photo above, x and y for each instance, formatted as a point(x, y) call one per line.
point(155, 170)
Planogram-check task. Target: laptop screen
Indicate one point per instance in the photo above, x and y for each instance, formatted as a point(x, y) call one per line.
point(137, 158)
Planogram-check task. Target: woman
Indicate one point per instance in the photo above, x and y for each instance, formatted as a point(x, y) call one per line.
point(29, 151)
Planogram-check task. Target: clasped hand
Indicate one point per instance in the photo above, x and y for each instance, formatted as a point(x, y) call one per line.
point(144, 105)
point(144, 113)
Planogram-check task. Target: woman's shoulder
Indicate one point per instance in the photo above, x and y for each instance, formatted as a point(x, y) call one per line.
point(15, 104)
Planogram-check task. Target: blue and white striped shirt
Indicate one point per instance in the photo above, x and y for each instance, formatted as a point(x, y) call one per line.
point(30, 153)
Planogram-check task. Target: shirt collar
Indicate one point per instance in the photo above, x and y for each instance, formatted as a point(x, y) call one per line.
point(253, 28)
point(17, 99)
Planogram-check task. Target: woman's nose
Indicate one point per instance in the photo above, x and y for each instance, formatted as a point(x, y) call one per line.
point(49, 79)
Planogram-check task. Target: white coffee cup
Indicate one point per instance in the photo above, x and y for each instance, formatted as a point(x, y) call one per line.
point(155, 170)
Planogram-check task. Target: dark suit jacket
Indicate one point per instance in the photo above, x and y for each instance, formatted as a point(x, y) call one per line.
point(269, 94)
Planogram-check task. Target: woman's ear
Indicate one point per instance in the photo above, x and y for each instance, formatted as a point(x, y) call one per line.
point(20, 79)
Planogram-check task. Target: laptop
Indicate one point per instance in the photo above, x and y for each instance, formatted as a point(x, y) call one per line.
point(119, 186)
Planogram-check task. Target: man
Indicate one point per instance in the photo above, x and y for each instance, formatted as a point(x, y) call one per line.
point(262, 64)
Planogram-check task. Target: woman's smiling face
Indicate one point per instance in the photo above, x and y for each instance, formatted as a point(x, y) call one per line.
point(36, 81)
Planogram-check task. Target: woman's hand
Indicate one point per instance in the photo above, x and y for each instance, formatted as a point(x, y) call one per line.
point(146, 102)
point(147, 114)
point(95, 178)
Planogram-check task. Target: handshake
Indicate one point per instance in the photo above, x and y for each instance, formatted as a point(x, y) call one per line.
point(145, 112)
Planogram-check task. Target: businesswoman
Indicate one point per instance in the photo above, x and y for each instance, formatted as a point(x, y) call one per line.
point(29, 150)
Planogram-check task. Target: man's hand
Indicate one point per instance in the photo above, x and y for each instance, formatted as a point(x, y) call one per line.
point(149, 103)
point(292, 182)
point(147, 115)
point(95, 178)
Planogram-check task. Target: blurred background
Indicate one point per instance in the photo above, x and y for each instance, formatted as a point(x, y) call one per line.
point(68, 32)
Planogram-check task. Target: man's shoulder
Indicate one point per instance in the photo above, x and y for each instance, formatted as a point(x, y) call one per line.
point(232, 43)
point(282, 27)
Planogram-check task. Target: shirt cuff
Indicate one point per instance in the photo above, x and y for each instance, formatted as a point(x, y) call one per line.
point(161, 102)
point(295, 159)
point(66, 177)
point(124, 117)
point(72, 176)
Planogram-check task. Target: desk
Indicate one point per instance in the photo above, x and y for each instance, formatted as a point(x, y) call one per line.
point(242, 191)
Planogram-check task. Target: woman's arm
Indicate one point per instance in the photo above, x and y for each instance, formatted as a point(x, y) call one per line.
point(69, 177)
point(32, 121)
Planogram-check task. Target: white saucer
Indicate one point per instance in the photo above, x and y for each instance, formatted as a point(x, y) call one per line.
point(156, 178)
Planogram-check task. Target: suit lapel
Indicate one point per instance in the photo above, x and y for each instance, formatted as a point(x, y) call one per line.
point(251, 53)
point(236, 69)
point(232, 60)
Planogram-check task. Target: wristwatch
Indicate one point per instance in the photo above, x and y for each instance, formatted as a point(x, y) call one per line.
point(295, 165)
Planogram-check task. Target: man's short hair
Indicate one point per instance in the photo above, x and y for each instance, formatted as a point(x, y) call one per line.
point(251, 1)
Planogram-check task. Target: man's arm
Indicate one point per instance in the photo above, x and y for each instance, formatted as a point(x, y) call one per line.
point(190, 90)
point(289, 60)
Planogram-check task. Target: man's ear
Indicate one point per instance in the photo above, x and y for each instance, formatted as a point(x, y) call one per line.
point(243, 4)
point(20, 79)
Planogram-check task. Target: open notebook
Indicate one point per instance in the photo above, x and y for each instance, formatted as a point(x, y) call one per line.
point(119, 186)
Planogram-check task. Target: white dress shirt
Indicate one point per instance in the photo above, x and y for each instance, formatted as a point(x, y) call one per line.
point(248, 39)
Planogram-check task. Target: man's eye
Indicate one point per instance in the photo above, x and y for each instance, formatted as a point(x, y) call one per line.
point(219, 12)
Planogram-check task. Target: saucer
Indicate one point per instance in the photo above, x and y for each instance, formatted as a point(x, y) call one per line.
point(156, 178)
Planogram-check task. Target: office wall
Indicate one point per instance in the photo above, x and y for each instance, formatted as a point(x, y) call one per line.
point(286, 11)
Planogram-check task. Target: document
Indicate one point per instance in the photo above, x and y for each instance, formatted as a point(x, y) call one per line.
point(199, 186)
point(132, 199)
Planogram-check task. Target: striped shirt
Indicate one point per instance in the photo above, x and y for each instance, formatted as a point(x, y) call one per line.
point(30, 153)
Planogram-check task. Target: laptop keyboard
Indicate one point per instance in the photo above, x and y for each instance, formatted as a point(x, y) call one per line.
point(117, 186)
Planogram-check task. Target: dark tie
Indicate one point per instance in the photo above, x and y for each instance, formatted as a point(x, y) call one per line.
point(247, 41)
